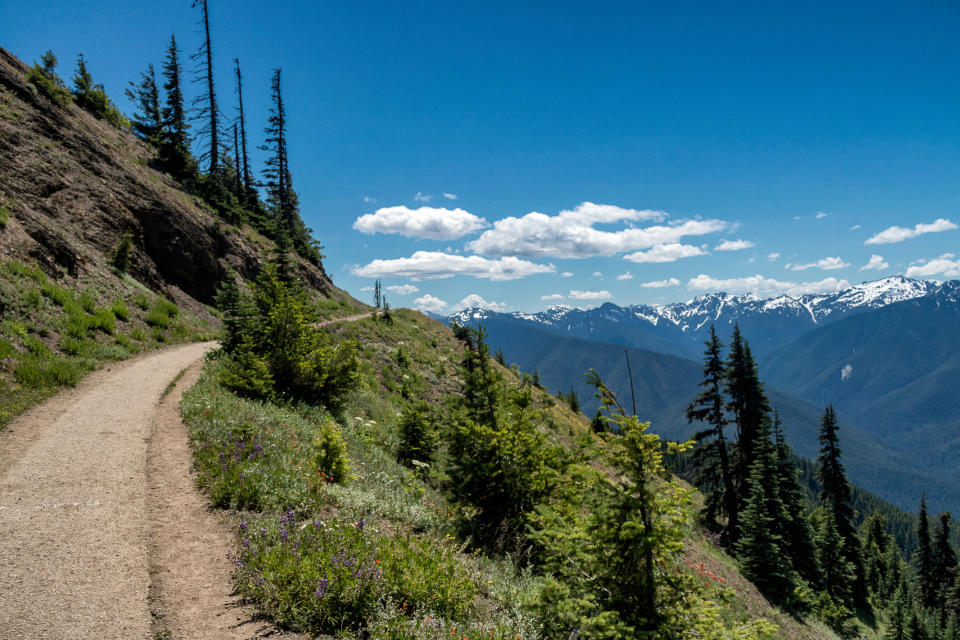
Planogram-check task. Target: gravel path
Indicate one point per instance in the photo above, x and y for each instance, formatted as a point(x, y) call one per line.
point(74, 538)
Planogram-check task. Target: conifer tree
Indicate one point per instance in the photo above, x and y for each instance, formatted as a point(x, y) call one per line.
point(795, 527)
point(147, 122)
point(835, 494)
point(377, 294)
point(480, 380)
point(48, 63)
point(837, 574)
point(82, 83)
point(243, 159)
point(915, 628)
point(175, 145)
point(944, 558)
point(735, 378)
point(237, 177)
point(207, 102)
point(712, 450)
point(897, 627)
point(761, 548)
point(277, 172)
point(923, 559)
point(749, 405)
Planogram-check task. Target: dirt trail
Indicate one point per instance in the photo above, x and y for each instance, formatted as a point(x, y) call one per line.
point(359, 316)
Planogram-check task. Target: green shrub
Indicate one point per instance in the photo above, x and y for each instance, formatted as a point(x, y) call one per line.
point(122, 253)
point(45, 371)
point(59, 296)
point(6, 349)
point(77, 347)
point(104, 320)
point(87, 301)
point(124, 341)
point(120, 310)
point(17, 329)
point(138, 334)
point(328, 454)
point(417, 436)
point(36, 347)
point(33, 298)
point(161, 313)
point(49, 86)
point(4, 216)
point(32, 271)
point(247, 374)
point(141, 301)
point(157, 334)
point(78, 325)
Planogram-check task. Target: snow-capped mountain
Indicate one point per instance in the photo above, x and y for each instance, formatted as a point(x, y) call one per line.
point(681, 328)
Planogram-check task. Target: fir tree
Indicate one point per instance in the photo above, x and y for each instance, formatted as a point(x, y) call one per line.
point(835, 494)
point(377, 294)
point(897, 626)
point(480, 380)
point(243, 159)
point(923, 559)
point(207, 102)
point(92, 97)
point(761, 548)
point(712, 450)
point(794, 528)
point(915, 628)
point(277, 173)
point(944, 558)
point(48, 63)
point(147, 122)
point(175, 144)
point(82, 83)
point(749, 405)
point(836, 572)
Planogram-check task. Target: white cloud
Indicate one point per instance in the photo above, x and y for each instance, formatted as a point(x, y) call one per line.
point(854, 227)
point(553, 296)
point(474, 301)
point(366, 288)
point(876, 262)
point(625, 276)
point(733, 245)
point(821, 215)
point(431, 265)
point(798, 217)
point(450, 196)
point(571, 234)
point(666, 253)
point(430, 303)
point(659, 284)
point(368, 199)
point(764, 286)
point(576, 294)
point(422, 198)
point(945, 264)
point(597, 274)
point(826, 264)
point(772, 257)
point(402, 289)
point(899, 234)
point(435, 223)
point(566, 274)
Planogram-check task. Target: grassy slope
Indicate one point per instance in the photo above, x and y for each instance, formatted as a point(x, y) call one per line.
point(393, 502)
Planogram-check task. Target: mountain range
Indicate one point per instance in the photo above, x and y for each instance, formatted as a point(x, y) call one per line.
point(885, 353)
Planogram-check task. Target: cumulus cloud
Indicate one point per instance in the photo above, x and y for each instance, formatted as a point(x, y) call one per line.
point(899, 234)
point(826, 264)
point(876, 262)
point(733, 245)
point(576, 294)
point(659, 284)
point(566, 274)
point(430, 303)
point(450, 196)
point(553, 296)
point(597, 274)
point(571, 234)
point(420, 197)
point(772, 257)
point(945, 264)
point(431, 265)
point(402, 289)
point(666, 253)
point(474, 301)
point(625, 276)
point(764, 286)
point(434, 223)
point(821, 215)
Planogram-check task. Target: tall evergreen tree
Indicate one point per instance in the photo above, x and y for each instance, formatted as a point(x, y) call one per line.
point(923, 559)
point(835, 494)
point(711, 451)
point(794, 528)
point(237, 178)
point(944, 557)
point(48, 62)
point(480, 380)
point(749, 405)
point(277, 172)
point(837, 573)
point(761, 548)
point(243, 159)
point(147, 122)
point(735, 378)
point(207, 102)
point(82, 83)
point(175, 143)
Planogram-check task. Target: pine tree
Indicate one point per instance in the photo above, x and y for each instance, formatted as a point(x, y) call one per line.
point(712, 450)
point(175, 143)
point(915, 628)
point(147, 122)
point(835, 494)
point(243, 159)
point(237, 177)
point(48, 63)
point(92, 97)
point(836, 572)
point(735, 378)
point(944, 558)
point(377, 294)
point(749, 405)
point(923, 559)
point(794, 528)
point(480, 380)
point(82, 83)
point(761, 548)
point(277, 172)
point(207, 102)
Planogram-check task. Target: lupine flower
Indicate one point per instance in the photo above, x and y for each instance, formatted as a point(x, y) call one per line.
point(322, 588)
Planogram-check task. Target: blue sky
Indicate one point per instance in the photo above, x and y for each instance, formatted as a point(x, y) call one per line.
point(644, 136)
